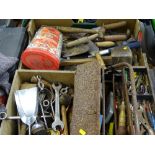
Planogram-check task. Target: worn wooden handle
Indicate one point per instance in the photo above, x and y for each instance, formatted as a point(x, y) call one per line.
point(105, 44)
point(100, 60)
point(64, 119)
point(81, 40)
point(75, 30)
point(120, 37)
point(107, 59)
point(115, 25)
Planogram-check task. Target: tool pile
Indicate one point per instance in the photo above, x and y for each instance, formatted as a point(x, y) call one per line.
point(121, 111)
point(43, 106)
point(107, 40)
point(79, 45)
point(112, 92)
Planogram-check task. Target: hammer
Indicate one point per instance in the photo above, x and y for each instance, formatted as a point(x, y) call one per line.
point(96, 33)
point(65, 101)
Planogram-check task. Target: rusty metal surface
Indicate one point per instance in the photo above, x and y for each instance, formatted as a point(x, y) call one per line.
point(128, 110)
point(86, 104)
point(81, 49)
point(133, 91)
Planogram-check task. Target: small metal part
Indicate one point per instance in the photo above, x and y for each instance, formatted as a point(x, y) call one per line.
point(64, 90)
point(40, 84)
point(39, 129)
point(3, 115)
point(18, 117)
point(42, 96)
point(46, 103)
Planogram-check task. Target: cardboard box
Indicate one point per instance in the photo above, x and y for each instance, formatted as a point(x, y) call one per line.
point(37, 23)
point(9, 127)
point(132, 24)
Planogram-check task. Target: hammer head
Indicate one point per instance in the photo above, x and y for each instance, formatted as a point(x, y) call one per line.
point(65, 99)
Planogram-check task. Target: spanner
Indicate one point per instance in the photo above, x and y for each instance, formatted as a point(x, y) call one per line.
point(64, 90)
point(57, 124)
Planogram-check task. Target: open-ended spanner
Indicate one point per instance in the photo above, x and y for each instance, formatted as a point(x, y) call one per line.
point(57, 124)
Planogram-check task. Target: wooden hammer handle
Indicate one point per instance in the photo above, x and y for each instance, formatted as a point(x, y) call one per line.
point(64, 119)
point(105, 44)
point(81, 40)
point(115, 25)
point(76, 30)
point(100, 60)
point(119, 37)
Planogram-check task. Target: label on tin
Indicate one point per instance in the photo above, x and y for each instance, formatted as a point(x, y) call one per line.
point(49, 40)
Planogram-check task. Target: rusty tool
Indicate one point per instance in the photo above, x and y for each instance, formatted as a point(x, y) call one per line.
point(92, 31)
point(94, 51)
point(129, 115)
point(133, 91)
point(143, 120)
point(80, 30)
point(99, 33)
point(64, 62)
point(77, 50)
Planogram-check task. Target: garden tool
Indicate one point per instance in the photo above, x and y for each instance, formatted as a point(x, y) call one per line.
point(27, 105)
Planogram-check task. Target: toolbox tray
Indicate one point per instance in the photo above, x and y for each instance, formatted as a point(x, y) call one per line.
point(9, 127)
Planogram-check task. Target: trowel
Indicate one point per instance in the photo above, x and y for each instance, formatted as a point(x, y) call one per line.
point(27, 105)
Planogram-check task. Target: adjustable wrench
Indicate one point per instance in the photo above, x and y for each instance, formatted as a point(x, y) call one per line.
point(57, 124)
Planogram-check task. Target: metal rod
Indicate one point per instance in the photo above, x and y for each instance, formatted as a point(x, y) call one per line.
point(18, 117)
point(29, 129)
point(130, 123)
